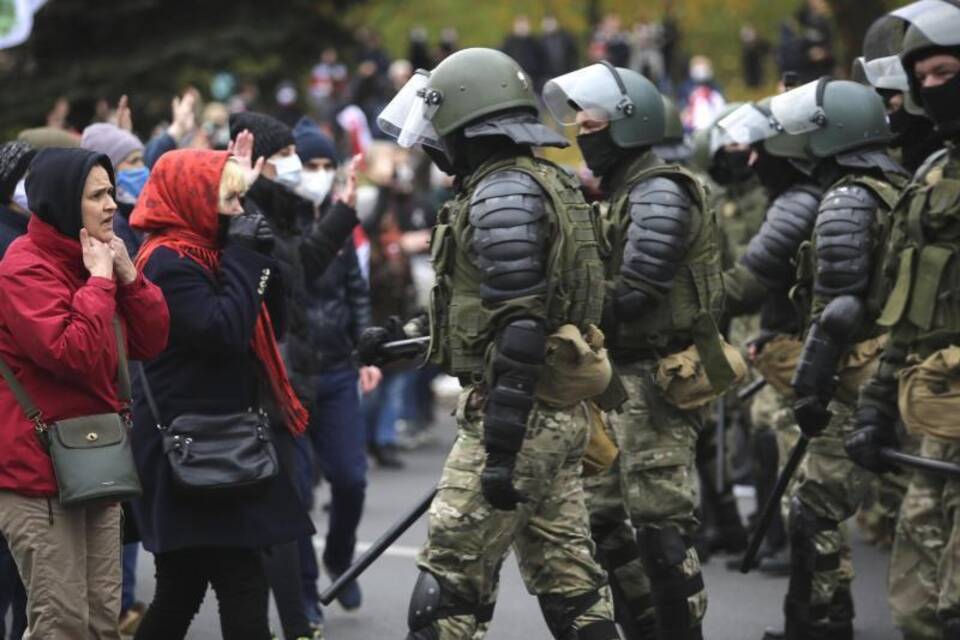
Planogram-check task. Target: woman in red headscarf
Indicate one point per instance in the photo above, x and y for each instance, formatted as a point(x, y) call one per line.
point(213, 265)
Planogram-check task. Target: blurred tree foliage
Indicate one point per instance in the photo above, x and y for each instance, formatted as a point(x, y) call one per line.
point(711, 27)
point(88, 49)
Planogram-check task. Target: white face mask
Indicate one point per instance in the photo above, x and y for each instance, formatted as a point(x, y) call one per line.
point(20, 195)
point(701, 73)
point(315, 185)
point(288, 169)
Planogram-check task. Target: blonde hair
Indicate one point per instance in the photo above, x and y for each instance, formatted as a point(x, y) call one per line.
point(232, 181)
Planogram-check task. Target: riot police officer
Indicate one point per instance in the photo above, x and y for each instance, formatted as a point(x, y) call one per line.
point(664, 293)
point(924, 585)
point(516, 259)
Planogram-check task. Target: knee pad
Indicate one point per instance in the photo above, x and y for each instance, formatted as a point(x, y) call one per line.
point(664, 551)
point(804, 524)
point(430, 602)
point(560, 612)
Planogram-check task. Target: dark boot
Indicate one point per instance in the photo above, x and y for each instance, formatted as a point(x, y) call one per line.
point(664, 551)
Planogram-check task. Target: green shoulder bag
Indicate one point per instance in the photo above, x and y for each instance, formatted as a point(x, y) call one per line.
point(91, 455)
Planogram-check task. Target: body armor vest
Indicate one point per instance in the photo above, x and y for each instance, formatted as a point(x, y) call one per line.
point(691, 309)
point(462, 327)
point(924, 306)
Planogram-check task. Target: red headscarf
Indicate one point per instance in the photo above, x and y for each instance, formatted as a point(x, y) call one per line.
point(178, 208)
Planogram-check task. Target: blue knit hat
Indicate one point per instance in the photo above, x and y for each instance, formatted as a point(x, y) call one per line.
point(312, 142)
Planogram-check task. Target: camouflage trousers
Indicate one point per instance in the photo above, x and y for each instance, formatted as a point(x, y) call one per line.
point(652, 485)
point(772, 410)
point(831, 489)
point(924, 580)
point(468, 540)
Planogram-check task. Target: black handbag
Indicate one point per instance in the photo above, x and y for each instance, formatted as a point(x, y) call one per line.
point(219, 453)
point(92, 458)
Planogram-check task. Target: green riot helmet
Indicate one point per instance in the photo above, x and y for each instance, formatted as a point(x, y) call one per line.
point(626, 99)
point(833, 117)
point(673, 147)
point(880, 65)
point(934, 29)
point(481, 91)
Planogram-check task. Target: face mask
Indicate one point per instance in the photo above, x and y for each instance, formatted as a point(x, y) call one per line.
point(731, 167)
point(440, 159)
point(599, 151)
point(315, 185)
point(776, 174)
point(130, 183)
point(223, 227)
point(943, 105)
point(915, 137)
point(20, 195)
point(288, 170)
point(701, 73)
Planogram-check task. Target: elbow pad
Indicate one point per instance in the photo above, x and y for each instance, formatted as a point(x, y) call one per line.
point(844, 239)
point(508, 213)
point(661, 213)
point(517, 360)
point(828, 337)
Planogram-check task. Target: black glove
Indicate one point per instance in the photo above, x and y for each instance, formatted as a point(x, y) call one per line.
point(251, 231)
point(812, 415)
point(496, 482)
point(373, 338)
point(875, 430)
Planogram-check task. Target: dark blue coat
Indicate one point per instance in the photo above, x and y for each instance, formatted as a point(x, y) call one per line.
point(208, 367)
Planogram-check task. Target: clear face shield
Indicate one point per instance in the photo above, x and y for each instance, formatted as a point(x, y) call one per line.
point(888, 73)
point(408, 116)
point(939, 21)
point(745, 125)
point(596, 90)
point(800, 110)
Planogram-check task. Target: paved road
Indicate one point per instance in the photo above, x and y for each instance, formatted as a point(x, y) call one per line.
point(740, 606)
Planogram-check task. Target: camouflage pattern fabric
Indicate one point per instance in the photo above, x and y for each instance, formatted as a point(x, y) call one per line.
point(653, 481)
point(832, 487)
point(924, 581)
point(770, 409)
point(880, 511)
point(468, 539)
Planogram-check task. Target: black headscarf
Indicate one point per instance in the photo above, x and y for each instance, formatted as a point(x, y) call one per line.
point(55, 186)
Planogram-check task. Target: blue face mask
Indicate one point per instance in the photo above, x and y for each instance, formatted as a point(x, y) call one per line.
point(130, 183)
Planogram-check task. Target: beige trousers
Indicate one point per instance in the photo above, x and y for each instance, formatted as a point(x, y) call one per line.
point(69, 560)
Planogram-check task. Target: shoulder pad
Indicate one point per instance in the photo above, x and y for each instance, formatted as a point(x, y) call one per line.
point(660, 190)
point(844, 240)
point(506, 198)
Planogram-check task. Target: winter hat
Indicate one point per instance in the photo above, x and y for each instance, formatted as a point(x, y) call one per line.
point(46, 137)
point(15, 157)
point(312, 142)
point(55, 185)
point(269, 134)
point(111, 140)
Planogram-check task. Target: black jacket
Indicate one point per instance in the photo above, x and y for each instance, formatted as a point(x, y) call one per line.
point(12, 226)
point(210, 368)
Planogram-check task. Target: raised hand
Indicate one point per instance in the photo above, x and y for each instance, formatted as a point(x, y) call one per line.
point(97, 256)
point(124, 115)
point(242, 150)
point(348, 194)
point(183, 119)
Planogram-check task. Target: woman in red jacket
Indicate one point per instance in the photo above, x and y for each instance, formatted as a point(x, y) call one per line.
point(60, 287)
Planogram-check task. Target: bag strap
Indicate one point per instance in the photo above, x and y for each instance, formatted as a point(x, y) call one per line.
point(148, 394)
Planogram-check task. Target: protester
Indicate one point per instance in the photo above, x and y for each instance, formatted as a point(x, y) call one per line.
point(337, 307)
point(215, 271)
point(62, 285)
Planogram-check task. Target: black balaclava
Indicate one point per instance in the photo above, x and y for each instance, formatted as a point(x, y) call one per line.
point(462, 155)
point(942, 103)
point(913, 134)
point(55, 184)
point(776, 174)
point(731, 167)
point(600, 152)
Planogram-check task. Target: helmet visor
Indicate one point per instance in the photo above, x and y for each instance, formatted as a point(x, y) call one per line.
point(885, 73)
point(799, 110)
point(939, 21)
point(596, 90)
point(746, 125)
point(408, 116)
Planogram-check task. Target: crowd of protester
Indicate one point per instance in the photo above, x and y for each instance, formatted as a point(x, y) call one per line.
point(229, 312)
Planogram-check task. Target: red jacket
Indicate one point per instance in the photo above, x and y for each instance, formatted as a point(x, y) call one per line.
point(56, 334)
